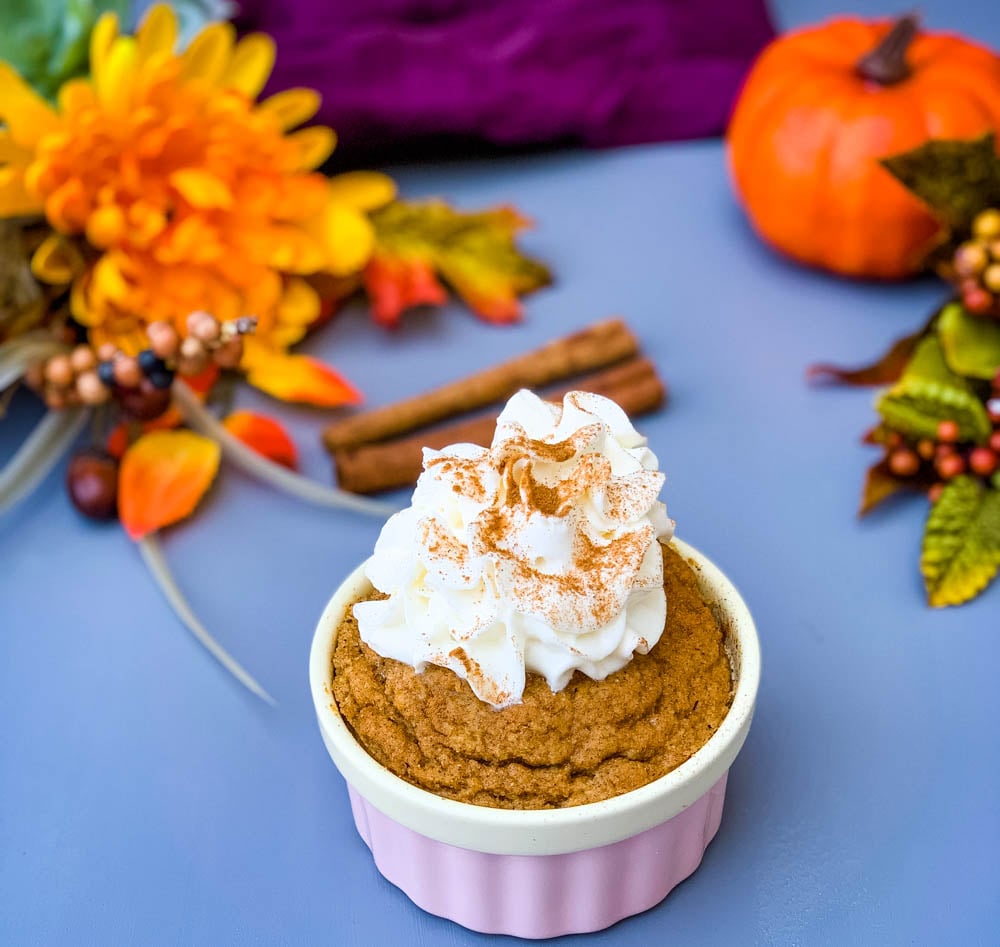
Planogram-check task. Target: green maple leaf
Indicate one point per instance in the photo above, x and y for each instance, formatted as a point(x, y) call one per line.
point(971, 345)
point(930, 392)
point(961, 549)
point(956, 179)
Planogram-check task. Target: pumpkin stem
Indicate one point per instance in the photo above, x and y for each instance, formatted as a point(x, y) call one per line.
point(886, 64)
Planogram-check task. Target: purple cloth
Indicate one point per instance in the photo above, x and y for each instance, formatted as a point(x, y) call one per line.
point(514, 72)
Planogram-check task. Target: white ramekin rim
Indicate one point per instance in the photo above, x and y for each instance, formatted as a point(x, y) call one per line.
point(542, 831)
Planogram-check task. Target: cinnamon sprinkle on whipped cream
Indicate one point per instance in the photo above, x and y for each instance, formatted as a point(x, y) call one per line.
point(540, 553)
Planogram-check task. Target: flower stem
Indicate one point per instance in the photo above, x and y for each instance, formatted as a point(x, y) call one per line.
point(152, 554)
point(40, 452)
point(203, 421)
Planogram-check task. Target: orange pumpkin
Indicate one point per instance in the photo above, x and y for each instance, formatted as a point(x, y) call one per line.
point(818, 110)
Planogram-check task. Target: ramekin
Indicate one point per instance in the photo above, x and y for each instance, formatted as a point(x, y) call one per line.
point(542, 873)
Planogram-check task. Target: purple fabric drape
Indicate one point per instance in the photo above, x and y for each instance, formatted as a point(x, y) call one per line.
point(513, 72)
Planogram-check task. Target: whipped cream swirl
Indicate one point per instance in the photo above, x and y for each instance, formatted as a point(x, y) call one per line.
point(538, 554)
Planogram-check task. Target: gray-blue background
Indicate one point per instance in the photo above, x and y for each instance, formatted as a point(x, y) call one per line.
point(144, 798)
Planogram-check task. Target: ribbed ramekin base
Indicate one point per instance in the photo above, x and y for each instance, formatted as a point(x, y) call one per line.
point(541, 895)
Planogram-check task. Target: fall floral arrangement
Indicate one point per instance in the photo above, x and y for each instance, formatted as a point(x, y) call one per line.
point(820, 111)
point(939, 427)
point(161, 227)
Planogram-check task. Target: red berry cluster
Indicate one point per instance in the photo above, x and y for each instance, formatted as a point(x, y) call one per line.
point(946, 457)
point(976, 266)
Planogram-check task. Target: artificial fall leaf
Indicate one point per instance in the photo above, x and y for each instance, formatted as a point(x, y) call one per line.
point(928, 393)
point(883, 371)
point(395, 284)
point(956, 179)
point(961, 548)
point(880, 484)
point(474, 253)
point(971, 345)
point(264, 435)
point(121, 434)
point(162, 477)
point(295, 377)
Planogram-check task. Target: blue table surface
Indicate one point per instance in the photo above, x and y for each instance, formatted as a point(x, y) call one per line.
point(146, 798)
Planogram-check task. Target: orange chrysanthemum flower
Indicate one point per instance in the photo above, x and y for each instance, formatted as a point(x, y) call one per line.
point(171, 189)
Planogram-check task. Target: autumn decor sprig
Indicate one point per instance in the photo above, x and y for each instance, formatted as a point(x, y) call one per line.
point(161, 229)
point(939, 428)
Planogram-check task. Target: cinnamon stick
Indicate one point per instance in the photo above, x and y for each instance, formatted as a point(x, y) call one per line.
point(370, 468)
point(597, 346)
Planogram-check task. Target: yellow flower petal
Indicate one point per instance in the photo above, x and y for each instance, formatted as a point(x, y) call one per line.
point(11, 152)
point(76, 95)
point(108, 281)
point(26, 115)
point(349, 238)
point(314, 146)
point(158, 34)
point(102, 36)
point(208, 57)
point(79, 306)
point(299, 303)
point(201, 188)
point(295, 377)
point(252, 62)
point(113, 82)
point(106, 226)
point(291, 108)
point(362, 190)
point(56, 261)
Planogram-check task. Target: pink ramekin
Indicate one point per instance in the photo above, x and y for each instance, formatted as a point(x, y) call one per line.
point(542, 873)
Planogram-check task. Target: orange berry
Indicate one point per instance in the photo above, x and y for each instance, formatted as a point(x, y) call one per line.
point(163, 339)
point(925, 448)
point(947, 431)
point(950, 466)
point(59, 371)
point(82, 358)
point(127, 372)
point(987, 223)
point(91, 389)
point(983, 461)
point(991, 277)
point(970, 258)
point(903, 462)
point(977, 301)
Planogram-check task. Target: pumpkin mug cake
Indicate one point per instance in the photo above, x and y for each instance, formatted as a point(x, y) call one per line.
point(531, 678)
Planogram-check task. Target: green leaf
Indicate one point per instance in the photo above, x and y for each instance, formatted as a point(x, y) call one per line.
point(930, 392)
point(971, 345)
point(957, 179)
point(961, 549)
point(47, 41)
